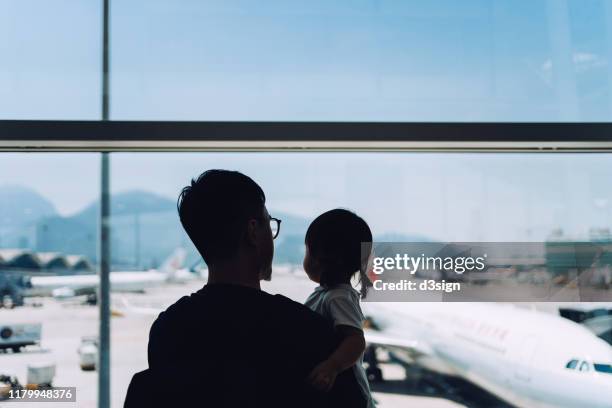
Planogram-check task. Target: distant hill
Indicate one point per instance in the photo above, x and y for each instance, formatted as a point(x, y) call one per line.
point(20, 208)
point(128, 203)
point(20, 205)
point(145, 229)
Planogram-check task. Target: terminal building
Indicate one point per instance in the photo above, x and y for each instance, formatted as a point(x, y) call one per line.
point(17, 265)
point(23, 260)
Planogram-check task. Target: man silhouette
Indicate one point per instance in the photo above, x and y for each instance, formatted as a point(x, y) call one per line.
point(230, 344)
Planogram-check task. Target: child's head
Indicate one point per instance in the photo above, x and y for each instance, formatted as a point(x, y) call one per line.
point(334, 248)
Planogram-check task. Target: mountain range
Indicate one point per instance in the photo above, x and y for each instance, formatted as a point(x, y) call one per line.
point(144, 229)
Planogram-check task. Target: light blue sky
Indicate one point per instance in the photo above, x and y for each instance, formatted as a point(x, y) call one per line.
point(377, 60)
point(435, 60)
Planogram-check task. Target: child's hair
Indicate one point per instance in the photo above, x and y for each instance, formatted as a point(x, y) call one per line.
point(341, 241)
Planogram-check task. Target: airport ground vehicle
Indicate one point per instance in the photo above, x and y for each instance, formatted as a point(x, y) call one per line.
point(12, 289)
point(88, 353)
point(17, 336)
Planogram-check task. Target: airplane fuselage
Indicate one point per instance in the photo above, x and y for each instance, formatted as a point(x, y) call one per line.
point(120, 282)
point(519, 355)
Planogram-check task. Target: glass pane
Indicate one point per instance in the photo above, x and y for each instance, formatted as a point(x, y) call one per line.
point(482, 60)
point(48, 243)
point(51, 59)
point(478, 60)
point(403, 197)
point(48, 203)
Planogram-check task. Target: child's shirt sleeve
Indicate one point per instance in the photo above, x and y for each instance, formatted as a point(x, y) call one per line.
point(345, 311)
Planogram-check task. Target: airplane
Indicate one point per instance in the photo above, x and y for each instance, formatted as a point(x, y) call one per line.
point(67, 286)
point(526, 357)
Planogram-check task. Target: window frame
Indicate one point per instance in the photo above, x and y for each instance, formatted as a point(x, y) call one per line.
point(93, 136)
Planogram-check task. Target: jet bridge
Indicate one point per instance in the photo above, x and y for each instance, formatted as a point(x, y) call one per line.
point(596, 317)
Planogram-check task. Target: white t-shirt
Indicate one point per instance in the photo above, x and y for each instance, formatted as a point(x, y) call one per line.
point(340, 305)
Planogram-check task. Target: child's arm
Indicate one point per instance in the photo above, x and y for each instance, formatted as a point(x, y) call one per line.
point(350, 349)
point(346, 355)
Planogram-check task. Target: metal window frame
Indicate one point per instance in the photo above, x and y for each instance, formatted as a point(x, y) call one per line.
point(115, 136)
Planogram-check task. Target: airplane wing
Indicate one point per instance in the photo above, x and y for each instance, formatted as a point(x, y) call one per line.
point(389, 340)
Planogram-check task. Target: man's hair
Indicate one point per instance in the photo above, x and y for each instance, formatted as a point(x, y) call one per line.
point(214, 210)
point(341, 241)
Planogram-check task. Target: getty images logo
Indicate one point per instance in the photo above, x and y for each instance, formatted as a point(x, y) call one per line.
point(412, 264)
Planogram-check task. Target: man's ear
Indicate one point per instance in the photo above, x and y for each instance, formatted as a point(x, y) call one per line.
point(252, 232)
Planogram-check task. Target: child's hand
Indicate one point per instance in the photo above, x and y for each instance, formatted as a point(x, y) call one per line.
point(323, 376)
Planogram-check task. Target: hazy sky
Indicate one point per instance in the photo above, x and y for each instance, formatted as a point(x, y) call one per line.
point(445, 196)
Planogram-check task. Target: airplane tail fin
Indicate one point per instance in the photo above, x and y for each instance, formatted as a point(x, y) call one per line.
point(174, 261)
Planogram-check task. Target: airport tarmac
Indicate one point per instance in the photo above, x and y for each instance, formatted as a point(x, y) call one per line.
point(65, 322)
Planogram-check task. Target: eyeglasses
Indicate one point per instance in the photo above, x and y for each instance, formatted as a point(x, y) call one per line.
point(275, 226)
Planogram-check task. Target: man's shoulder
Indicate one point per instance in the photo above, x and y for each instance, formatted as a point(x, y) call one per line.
point(277, 310)
point(178, 306)
point(176, 314)
point(291, 306)
point(295, 312)
point(183, 305)
point(165, 316)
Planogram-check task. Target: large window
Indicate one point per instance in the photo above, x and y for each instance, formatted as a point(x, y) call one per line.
point(443, 60)
point(375, 61)
point(50, 204)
